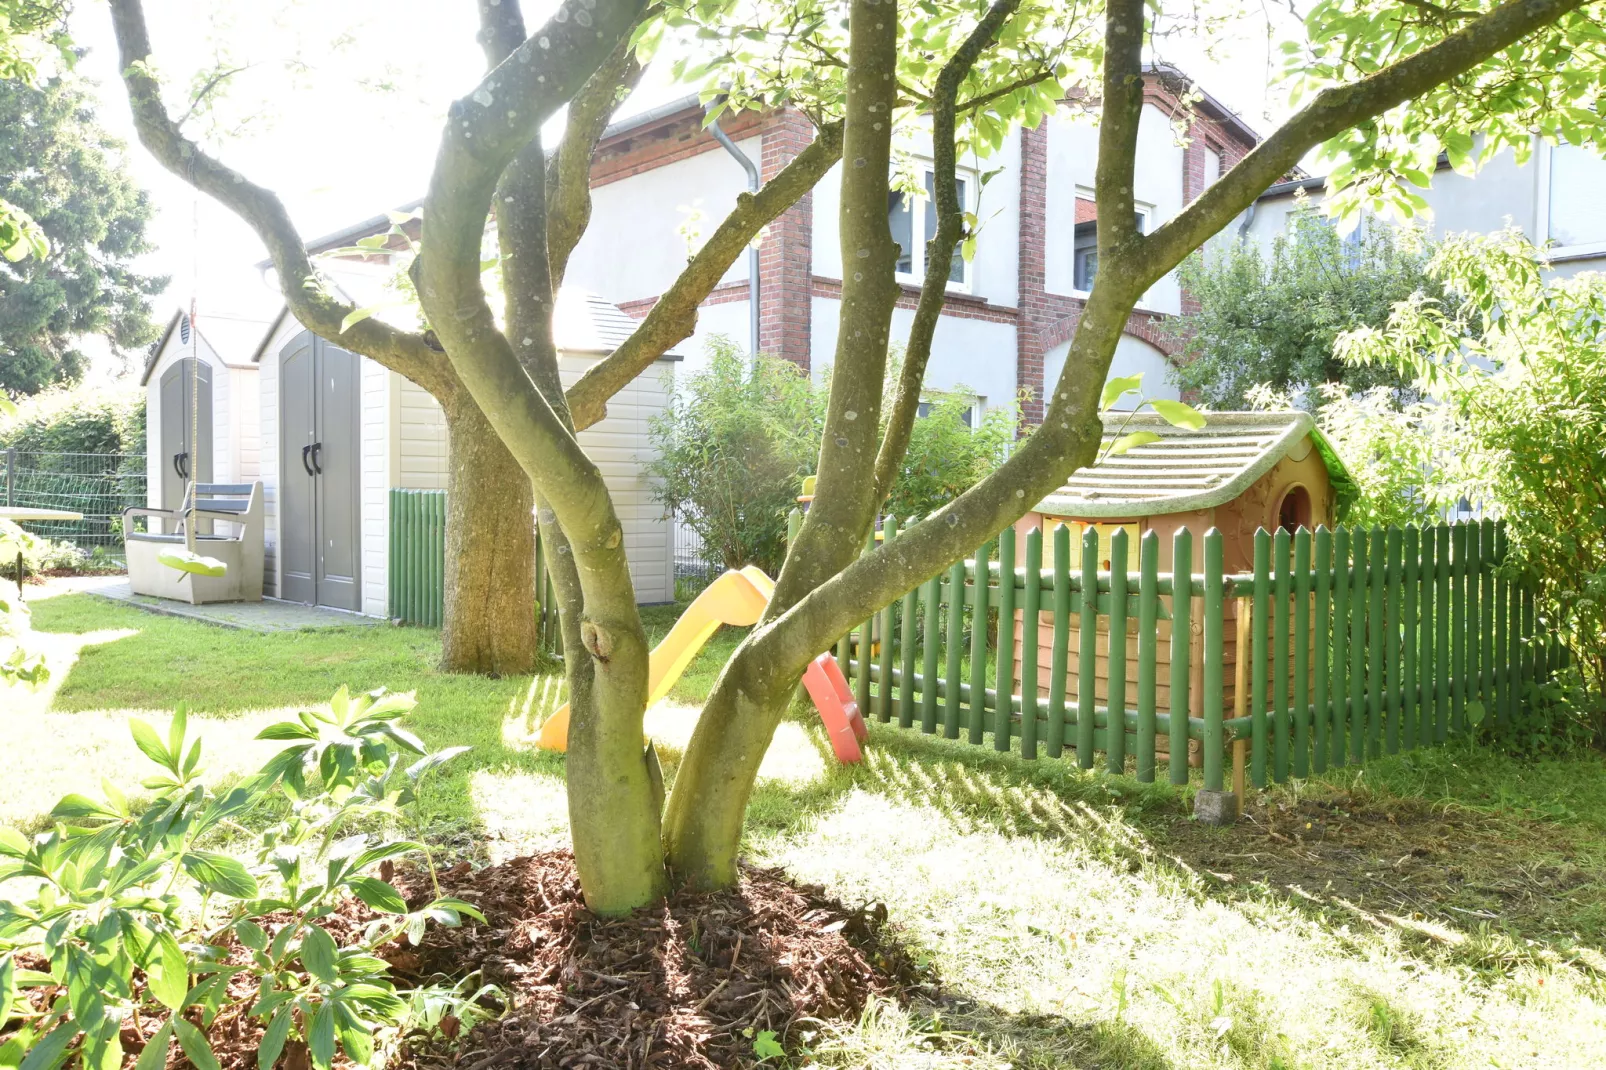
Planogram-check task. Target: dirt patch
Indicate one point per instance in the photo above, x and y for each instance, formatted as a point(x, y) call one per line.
point(696, 981)
point(1398, 856)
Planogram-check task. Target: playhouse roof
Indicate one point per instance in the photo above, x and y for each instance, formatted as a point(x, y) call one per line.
point(1189, 470)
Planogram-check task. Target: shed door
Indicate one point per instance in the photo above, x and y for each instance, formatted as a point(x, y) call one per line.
point(319, 523)
point(185, 456)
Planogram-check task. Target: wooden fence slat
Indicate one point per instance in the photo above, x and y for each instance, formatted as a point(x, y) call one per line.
point(978, 648)
point(955, 649)
point(1031, 607)
point(1338, 747)
point(861, 682)
point(1005, 671)
point(1376, 585)
point(1087, 651)
point(1392, 670)
point(1322, 714)
point(1148, 640)
point(1115, 650)
point(1424, 639)
point(1358, 603)
point(1474, 685)
point(930, 644)
point(1260, 615)
point(1181, 643)
point(1214, 644)
point(907, 637)
point(1486, 628)
point(1281, 724)
point(1410, 563)
point(1301, 711)
point(1060, 658)
point(1441, 641)
point(1458, 627)
point(886, 631)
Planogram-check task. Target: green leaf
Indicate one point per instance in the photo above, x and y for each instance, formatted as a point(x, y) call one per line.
point(766, 1047)
point(13, 844)
point(355, 1035)
point(8, 987)
point(168, 975)
point(1119, 387)
point(321, 1037)
point(378, 894)
point(1475, 712)
point(196, 1049)
point(251, 934)
point(146, 739)
point(192, 562)
point(1179, 414)
point(1131, 441)
point(85, 988)
point(49, 1052)
point(154, 1057)
point(287, 730)
point(220, 873)
point(320, 955)
point(357, 315)
point(103, 1049)
point(273, 1039)
point(175, 732)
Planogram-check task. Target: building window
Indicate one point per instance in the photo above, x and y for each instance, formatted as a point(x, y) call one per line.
point(970, 415)
point(1577, 214)
point(1212, 165)
point(907, 216)
point(1085, 254)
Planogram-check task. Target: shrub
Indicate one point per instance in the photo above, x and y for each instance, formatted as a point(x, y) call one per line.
point(733, 446)
point(947, 456)
point(1522, 365)
point(113, 929)
point(83, 420)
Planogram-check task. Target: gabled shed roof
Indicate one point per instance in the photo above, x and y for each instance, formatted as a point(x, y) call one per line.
point(1189, 470)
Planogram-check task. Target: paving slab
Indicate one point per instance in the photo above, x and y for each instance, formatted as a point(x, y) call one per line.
point(268, 615)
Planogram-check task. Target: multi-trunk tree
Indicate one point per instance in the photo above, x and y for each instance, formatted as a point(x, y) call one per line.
point(1388, 82)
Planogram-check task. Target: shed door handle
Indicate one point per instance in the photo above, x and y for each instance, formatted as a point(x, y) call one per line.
point(317, 466)
point(305, 463)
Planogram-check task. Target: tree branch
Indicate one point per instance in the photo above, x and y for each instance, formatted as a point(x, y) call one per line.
point(1119, 120)
point(674, 316)
point(568, 171)
point(940, 249)
point(845, 503)
point(501, 29)
point(1335, 110)
point(403, 352)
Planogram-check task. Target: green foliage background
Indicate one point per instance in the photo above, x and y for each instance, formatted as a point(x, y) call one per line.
point(1272, 318)
point(58, 166)
point(78, 421)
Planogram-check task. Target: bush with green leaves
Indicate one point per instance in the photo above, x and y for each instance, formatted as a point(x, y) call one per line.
point(137, 917)
point(732, 448)
point(18, 665)
point(1520, 363)
point(1272, 317)
point(79, 420)
point(947, 455)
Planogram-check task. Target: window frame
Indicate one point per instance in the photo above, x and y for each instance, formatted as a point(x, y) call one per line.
point(1583, 250)
point(1140, 208)
point(916, 275)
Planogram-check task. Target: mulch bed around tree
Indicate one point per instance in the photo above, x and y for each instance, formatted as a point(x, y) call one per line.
point(691, 982)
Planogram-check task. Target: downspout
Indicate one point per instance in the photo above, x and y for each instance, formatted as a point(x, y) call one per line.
point(752, 249)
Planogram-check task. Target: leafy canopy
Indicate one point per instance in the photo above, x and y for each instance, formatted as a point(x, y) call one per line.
point(63, 170)
point(1270, 318)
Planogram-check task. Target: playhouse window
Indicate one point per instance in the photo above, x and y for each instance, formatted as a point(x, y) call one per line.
point(1293, 512)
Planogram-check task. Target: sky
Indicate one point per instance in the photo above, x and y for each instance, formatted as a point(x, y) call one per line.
point(338, 110)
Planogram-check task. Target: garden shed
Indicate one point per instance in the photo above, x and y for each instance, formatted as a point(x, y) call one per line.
point(206, 363)
point(329, 514)
point(1241, 472)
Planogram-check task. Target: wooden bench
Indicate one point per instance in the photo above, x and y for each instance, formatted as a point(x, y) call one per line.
point(192, 527)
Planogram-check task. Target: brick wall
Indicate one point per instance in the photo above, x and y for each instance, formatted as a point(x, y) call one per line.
point(786, 255)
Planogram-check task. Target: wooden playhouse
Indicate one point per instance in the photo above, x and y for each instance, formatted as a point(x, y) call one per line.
point(1242, 471)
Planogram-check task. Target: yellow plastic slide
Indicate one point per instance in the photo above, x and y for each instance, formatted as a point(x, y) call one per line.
point(736, 598)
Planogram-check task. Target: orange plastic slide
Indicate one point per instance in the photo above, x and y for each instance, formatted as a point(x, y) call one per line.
point(735, 598)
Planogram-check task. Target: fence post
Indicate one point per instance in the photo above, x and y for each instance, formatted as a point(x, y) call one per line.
point(1321, 697)
point(1062, 640)
point(1031, 607)
point(1214, 623)
point(1087, 656)
point(1256, 663)
point(1115, 652)
point(11, 477)
point(1181, 643)
point(1148, 639)
point(1302, 712)
point(955, 652)
point(977, 713)
point(1004, 674)
point(1281, 548)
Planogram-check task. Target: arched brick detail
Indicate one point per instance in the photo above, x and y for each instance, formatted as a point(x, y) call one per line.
point(1141, 325)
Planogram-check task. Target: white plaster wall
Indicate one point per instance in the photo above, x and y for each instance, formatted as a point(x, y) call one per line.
point(995, 269)
point(728, 318)
point(976, 355)
point(1132, 355)
point(631, 249)
point(1072, 156)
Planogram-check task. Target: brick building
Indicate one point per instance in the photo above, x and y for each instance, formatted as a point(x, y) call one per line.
point(660, 179)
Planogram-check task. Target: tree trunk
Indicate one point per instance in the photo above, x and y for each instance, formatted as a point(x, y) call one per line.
point(489, 623)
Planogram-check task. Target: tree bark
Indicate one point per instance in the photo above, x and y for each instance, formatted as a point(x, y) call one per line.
point(490, 552)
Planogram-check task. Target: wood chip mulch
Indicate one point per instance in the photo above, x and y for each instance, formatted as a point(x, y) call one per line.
point(688, 983)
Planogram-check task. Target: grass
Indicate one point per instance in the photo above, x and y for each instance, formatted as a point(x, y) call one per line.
point(1442, 909)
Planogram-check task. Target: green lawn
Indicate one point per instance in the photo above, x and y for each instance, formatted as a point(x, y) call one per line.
point(1441, 909)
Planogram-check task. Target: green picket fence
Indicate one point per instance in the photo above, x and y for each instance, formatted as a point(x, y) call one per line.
point(1339, 646)
point(417, 572)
